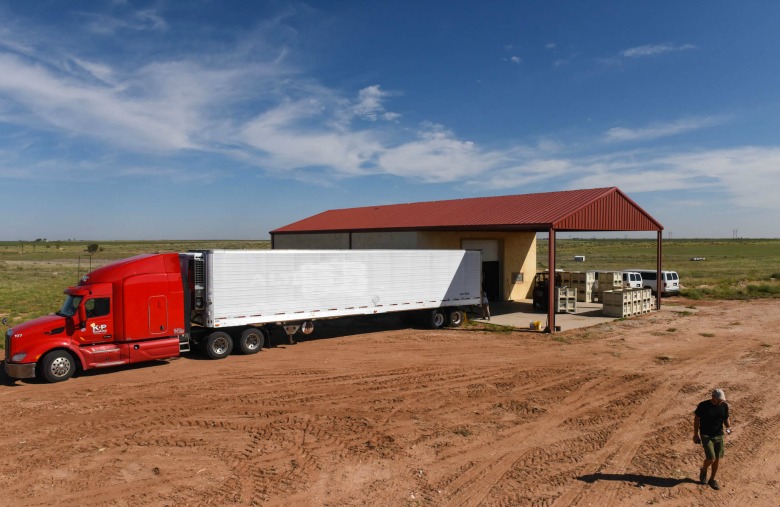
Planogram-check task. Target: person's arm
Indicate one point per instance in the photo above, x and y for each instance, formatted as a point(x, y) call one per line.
point(696, 423)
point(727, 422)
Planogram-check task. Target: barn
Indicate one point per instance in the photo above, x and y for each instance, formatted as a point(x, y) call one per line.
point(504, 228)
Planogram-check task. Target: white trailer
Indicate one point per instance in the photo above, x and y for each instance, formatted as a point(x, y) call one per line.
point(293, 288)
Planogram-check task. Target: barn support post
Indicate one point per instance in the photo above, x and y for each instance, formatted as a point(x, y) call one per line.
point(551, 283)
point(658, 280)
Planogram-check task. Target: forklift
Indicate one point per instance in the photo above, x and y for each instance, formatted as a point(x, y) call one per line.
point(541, 292)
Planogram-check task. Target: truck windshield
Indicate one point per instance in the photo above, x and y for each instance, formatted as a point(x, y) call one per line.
point(69, 306)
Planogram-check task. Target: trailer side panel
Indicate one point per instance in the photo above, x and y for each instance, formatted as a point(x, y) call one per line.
point(262, 286)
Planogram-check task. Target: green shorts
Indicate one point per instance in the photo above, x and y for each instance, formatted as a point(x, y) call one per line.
point(713, 446)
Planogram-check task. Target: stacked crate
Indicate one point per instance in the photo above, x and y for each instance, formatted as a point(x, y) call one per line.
point(565, 300)
point(627, 302)
point(583, 281)
point(566, 280)
point(609, 280)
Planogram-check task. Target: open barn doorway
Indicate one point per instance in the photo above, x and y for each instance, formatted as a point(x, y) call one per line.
point(491, 265)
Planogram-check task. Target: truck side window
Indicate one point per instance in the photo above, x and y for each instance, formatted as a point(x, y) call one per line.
point(98, 307)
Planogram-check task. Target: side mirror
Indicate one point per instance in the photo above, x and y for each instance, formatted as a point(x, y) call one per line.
point(82, 316)
point(5, 321)
point(70, 326)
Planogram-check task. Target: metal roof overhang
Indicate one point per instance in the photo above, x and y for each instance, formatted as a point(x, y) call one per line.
point(599, 209)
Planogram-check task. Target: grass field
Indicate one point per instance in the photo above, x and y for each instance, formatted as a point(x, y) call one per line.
point(733, 269)
point(33, 275)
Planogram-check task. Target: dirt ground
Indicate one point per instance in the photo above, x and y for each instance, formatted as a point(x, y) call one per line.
point(369, 413)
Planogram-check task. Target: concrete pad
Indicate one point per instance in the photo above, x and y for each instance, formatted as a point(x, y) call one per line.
point(519, 314)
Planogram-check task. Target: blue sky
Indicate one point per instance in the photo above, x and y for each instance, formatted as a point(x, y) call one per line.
point(224, 119)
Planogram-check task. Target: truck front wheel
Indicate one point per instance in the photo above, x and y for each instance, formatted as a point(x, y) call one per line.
point(57, 366)
point(251, 340)
point(218, 345)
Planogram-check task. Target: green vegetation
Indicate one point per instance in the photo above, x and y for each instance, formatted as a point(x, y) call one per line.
point(34, 274)
point(733, 269)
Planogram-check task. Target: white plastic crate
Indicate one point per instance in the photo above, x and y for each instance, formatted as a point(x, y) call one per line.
point(565, 300)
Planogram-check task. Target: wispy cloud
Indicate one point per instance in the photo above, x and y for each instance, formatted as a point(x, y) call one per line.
point(437, 155)
point(369, 104)
point(136, 21)
point(654, 50)
point(646, 51)
point(746, 176)
point(246, 103)
point(619, 134)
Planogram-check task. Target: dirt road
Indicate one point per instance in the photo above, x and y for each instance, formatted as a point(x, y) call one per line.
point(390, 416)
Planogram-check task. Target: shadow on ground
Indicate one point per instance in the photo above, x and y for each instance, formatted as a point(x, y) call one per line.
point(640, 480)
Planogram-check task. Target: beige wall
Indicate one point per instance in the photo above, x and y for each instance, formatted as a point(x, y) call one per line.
point(518, 255)
point(517, 249)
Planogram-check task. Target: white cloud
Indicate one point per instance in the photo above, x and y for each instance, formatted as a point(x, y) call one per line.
point(747, 176)
point(437, 156)
point(659, 130)
point(137, 21)
point(369, 104)
point(524, 175)
point(516, 59)
point(654, 49)
point(294, 136)
point(247, 103)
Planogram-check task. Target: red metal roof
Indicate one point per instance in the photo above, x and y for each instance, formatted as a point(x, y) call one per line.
point(596, 209)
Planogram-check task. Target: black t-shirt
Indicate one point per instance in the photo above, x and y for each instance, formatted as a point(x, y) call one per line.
point(712, 417)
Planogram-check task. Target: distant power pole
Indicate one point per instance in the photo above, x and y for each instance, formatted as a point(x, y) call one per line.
point(734, 233)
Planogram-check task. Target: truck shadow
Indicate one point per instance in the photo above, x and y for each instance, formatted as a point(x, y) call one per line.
point(126, 367)
point(638, 479)
point(5, 380)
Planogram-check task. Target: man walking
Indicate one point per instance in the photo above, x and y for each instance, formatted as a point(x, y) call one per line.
point(709, 418)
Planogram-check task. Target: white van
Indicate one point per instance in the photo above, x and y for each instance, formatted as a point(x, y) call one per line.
point(632, 280)
point(670, 280)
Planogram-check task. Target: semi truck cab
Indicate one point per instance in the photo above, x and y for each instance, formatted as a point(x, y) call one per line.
point(126, 312)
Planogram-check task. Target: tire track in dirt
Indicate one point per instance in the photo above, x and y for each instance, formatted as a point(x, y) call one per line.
point(472, 486)
point(621, 450)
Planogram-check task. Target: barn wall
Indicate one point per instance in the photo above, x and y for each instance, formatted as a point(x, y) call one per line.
point(518, 255)
point(517, 249)
point(319, 241)
point(385, 240)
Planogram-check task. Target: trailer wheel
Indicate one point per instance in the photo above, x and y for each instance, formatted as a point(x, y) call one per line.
point(218, 345)
point(437, 319)
point(455, 318)
point(251, 340)
point(57, 366)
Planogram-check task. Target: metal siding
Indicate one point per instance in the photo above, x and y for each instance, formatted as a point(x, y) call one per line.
point(590, 209)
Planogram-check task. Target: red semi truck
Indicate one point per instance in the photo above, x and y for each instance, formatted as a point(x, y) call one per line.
point(155, 306)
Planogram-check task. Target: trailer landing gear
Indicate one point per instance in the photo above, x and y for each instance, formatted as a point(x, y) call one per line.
point(306, 327)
